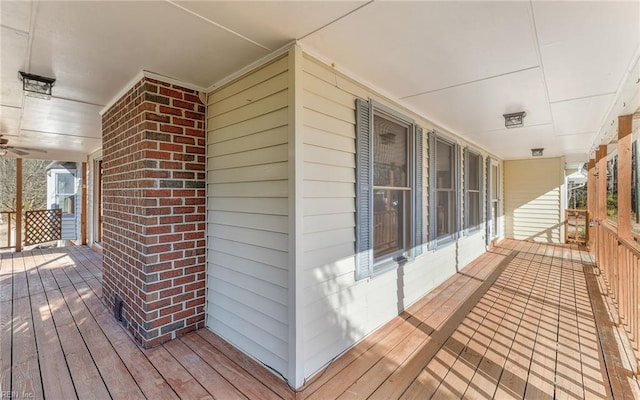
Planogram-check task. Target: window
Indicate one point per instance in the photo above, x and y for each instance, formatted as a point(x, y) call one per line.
point(473, 191)
point(493, 200)
point(389, 182)
point(444, 190)
point(64, 196)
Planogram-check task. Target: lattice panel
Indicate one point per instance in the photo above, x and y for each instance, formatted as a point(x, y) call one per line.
point(42, 226)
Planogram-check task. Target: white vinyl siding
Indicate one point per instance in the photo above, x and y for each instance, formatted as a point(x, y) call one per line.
point(248, 214)
point(533, 199)
point(281, 219)
point(338, 310)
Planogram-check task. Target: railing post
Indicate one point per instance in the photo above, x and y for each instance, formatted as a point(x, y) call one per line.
point(18, 205)
point(624, 176)
point(9, 229)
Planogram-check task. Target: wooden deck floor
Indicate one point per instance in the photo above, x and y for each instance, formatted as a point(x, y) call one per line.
point(518, 322)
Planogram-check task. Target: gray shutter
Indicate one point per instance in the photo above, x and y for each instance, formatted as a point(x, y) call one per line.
point(417, 212)
point(458, 211)
point(481, 189)
point(364, 187)
point(432, 191)
point(488, 203)
point(465, 182)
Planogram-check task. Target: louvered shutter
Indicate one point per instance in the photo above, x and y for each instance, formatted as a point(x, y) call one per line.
point(481, 189)
point(488, 202)
point(364, 195)
point(417, 212)
point(467, 197)
point(432, 191)
point(457, 192)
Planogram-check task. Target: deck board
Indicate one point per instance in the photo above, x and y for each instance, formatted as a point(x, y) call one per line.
point(6, 322)
point(517, 322)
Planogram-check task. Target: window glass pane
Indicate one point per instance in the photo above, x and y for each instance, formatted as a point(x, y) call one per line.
point(64, 183)
point(390, 153)
point(494, 182)
point(445, 213)
point(388, 215)
point(473, 180)
point(66, 203)
point(444, 165)
point(474, 210)
point(494, 221)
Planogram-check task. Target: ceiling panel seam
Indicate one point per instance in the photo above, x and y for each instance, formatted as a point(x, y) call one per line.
point(582, 97)
point(335, 20)
point(536, 42)
point(32, 30)
point(470, 82)
point(15, 30)
point(238, 34)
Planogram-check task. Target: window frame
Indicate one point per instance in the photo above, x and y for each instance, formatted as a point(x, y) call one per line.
point(493, 222)
point(470, 230)
point(436, 242)
point(366, 264)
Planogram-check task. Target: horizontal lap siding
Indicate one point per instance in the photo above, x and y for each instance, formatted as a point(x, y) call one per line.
point(337, 310)
point(532, 199)
point(247, 214)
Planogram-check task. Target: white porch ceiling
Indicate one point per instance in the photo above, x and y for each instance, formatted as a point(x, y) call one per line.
point(570, 65)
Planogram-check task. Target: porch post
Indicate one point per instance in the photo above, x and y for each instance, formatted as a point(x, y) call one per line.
point(601, 196)
point(624, 176)
point(591, 201)
point(83, 215)
point(18, 205)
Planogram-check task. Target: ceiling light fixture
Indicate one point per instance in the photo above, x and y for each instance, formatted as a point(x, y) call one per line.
point(514, 120)
point(36, 85)
point(537, 152)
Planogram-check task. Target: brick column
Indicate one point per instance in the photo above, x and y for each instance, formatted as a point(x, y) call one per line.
point(154, 210)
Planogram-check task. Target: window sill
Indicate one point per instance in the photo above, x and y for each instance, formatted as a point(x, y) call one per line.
point(383, 266)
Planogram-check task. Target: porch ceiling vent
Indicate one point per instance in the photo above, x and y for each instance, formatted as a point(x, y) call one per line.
point(537, 152)
point(36, 85)
point(514, 120)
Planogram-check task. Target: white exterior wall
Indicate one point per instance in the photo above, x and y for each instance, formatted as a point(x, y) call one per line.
point(339, 311)
point(533, 199)
point(247, 214)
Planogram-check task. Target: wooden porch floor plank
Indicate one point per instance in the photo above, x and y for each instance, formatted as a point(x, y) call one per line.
point(208, 377)
point(20, 284)
point(6, 323)
point(421, 319)
point(185, 385)
point(569, 382)
point(484, 382)
point(152, 384)
point(230, 371)
point(114, 373)
point(448, 318)
point(525, 331)
point(257, 371)
point(84, 373)
point(488, 310)
point(25, 367)
point(56, 379)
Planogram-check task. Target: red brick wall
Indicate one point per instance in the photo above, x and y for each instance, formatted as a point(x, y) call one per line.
point(154, 210)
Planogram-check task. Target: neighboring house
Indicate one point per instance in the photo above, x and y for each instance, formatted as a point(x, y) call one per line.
point(63, 185)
